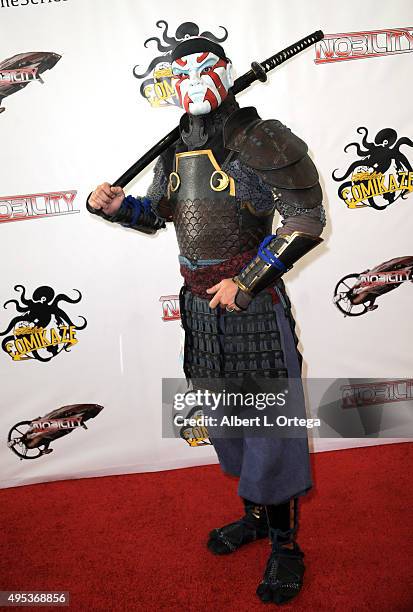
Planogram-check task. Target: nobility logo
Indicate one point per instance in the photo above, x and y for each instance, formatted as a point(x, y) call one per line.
point(170, 307)
point(359, 45)
point(36, 205)
point(381, 175)
point(355, 294)
point(383, 392)
point(32, 439)
point(44, 329)
point(18, 71)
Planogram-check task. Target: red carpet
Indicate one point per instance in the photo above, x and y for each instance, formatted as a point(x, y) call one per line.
point(137, 542)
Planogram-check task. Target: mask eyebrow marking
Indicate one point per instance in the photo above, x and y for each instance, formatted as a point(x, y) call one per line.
point(202, 57)
point(181, 62)
point(178, 71)
point(220, 63)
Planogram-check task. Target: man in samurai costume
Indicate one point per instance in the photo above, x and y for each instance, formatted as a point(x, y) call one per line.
point(220, 185)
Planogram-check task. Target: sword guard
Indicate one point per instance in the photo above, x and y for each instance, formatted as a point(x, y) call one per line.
point(259, 71)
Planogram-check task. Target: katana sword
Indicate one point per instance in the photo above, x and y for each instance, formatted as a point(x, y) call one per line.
point(258, 72)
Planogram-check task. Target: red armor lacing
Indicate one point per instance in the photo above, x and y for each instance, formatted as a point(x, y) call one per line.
point(198, 281)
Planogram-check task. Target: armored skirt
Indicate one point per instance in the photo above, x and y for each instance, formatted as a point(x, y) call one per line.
point(232, 345)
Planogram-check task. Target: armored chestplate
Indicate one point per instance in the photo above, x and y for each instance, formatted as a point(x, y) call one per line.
point(210, 222)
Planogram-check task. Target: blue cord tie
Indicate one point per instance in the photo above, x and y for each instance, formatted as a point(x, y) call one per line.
point(137, 206)
point(268, 256)
point(146, 203)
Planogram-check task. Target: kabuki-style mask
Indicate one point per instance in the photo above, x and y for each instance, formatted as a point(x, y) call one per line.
point(202, 73)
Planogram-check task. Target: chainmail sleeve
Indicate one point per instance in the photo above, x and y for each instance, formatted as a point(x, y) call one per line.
point(250, 187)
point(157, 189)
point(298, 218)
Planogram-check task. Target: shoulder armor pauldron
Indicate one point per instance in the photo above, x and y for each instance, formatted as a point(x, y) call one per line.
point(271, 149)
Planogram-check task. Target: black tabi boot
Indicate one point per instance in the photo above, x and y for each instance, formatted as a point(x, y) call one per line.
point(283, 577)
point(252, 526)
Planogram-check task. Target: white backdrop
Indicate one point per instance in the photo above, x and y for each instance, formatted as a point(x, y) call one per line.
point(87, 123)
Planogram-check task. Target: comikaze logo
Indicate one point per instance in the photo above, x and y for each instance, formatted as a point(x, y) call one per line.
point(382, 173)
point(44, 329)
point(196, 434)
point(359, 45)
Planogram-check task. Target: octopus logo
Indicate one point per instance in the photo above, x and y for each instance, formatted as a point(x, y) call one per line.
point(44, 329)
point(380, 176)
point(159, 88)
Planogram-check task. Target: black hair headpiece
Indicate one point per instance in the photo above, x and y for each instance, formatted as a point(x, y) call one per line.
point(197, 44)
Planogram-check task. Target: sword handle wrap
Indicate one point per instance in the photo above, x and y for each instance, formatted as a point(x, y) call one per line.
point(285, 54)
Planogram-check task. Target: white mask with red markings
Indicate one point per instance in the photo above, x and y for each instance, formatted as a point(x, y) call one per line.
point(202, 81)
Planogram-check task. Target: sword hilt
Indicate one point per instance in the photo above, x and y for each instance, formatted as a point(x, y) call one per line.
point(259, 70)
point(285, 54)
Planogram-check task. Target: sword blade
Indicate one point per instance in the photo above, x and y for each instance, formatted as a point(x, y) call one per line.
point(257, 72)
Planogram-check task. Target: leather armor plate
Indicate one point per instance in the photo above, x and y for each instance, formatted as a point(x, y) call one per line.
point(271, 149)
point(300, 198)
point(207, 228)
point(209, 222)
point(300, 175)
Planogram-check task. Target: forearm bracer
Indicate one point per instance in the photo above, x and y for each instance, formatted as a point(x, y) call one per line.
point(276, 255)
point(135, 213)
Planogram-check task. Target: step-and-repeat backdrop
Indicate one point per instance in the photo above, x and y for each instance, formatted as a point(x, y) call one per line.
point(89, 311)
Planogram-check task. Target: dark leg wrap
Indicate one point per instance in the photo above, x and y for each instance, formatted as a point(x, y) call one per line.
point(252, 526)
point(283, 577)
